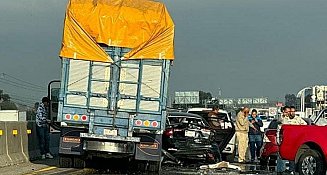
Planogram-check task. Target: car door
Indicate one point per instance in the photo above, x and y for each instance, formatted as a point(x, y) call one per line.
point(224, 134)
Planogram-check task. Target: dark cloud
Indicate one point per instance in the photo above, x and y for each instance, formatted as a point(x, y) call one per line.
point(246, 48)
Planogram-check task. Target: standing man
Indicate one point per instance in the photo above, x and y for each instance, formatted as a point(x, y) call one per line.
point(242, 129)
point(255, 137)
point(293, 120)
point(213, 118)
point(42, 128)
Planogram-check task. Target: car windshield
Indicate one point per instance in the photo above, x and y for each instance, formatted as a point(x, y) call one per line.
point(322, 121)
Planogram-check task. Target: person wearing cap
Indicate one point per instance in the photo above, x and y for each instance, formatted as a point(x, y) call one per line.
point(42, 128)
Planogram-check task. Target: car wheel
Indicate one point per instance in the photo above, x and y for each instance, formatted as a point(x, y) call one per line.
point(272, 160)
point(263, 163)
point(311, 163)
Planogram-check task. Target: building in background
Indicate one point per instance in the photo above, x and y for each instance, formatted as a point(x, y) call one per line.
point(312, 99)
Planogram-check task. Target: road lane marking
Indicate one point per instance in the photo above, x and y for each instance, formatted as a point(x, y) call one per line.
point(42, 170)
point(82, 171)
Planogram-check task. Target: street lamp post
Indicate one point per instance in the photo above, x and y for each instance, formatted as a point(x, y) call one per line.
point(301, 94)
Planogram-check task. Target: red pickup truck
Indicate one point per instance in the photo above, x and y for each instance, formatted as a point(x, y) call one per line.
point(306, 145)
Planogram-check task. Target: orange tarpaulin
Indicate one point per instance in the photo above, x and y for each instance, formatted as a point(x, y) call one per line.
point(142, 25)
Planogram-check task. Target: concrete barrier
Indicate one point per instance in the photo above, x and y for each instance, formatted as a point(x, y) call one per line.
point(24, 139)
point(33, 143)
point(19, 142)
point(14, 141)
point(5, 160)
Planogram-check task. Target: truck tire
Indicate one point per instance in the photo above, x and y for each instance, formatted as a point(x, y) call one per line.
point(154, 166)
point(65, 161)
point(141, 166)
point(311, 163)
point(79, 162)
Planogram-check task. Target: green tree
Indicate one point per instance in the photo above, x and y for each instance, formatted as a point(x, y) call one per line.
point(8, 105)
point(5, 103)
point(205, 96)
point(290, 100)
point(4, 97)
point(1, 93)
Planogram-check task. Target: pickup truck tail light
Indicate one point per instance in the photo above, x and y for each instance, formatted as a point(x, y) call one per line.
point(270, 136)
point(169, 132)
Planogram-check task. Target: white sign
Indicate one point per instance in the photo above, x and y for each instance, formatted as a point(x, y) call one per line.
point(190, 97)
point(226, 101)
point(272, 111)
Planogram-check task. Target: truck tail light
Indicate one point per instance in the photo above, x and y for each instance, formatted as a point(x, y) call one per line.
point(84, 117)
point(154, 124)
point(68, 117)
point(138, 122)
point(146, 123)
point(76, 117)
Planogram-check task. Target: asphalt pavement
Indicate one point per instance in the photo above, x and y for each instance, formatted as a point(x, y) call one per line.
point(50, 166)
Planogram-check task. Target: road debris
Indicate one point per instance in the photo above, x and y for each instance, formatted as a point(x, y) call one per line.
point(220, 165)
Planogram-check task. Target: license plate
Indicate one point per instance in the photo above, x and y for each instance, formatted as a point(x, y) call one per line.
point(189, 133)
point(110, 132)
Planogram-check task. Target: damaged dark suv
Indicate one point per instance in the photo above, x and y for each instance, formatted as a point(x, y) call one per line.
point(188, 138)
point(224, 136)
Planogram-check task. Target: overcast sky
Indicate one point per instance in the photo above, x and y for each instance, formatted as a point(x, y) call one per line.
point(249, 48)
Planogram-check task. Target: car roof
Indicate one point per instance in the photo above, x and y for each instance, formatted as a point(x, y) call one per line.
point(184, 114)
point(205, 109)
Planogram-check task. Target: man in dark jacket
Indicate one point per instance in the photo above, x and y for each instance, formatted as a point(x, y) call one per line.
point(42, 128)
point(255, 137)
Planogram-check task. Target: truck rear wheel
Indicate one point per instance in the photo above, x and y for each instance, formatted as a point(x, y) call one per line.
point(65, 161)
point(311, 163)
point(79, 162)
point(154, 166)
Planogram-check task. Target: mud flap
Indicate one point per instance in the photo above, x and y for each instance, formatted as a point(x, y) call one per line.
point(70, 141)
point(149, 147)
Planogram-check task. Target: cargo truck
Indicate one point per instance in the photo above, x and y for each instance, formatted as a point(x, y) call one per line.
point(116, 59)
